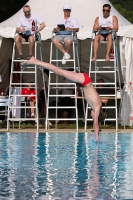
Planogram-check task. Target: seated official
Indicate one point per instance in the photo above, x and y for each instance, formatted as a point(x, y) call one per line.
point(104, 22)
point(27, 26)
point(71, 24)
point(30, 99)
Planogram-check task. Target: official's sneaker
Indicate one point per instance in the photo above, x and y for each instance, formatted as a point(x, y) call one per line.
point(20, 57)
point(65, 57)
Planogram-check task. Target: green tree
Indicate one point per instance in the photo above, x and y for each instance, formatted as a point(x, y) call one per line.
point(10, 7)
point(125, 8)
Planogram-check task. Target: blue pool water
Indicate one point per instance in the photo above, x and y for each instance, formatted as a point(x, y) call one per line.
point(66, 166)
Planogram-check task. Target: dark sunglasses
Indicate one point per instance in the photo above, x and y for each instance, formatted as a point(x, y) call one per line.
point(106, 10)
point(67, 10)
point(27, 12)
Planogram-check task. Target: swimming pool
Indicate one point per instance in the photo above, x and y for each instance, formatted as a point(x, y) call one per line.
point(66, 166)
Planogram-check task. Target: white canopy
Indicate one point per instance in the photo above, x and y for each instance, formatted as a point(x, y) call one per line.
point(85, 11)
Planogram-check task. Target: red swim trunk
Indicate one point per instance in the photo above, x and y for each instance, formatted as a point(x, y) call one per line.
point(87, 80)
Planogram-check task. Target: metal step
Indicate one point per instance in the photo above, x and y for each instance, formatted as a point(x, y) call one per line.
point(101, 60)
point(60, 107)
point(101, 72)
point(23, 72)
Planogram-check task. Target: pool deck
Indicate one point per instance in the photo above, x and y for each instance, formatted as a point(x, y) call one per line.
point(32, 130)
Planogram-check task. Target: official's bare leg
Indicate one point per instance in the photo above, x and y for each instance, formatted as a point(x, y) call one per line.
point(31, 44)
point(109, 45)
point(97, 39)
point(18, 41)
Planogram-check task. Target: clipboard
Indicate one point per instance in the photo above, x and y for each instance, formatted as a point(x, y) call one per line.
point(61, 26)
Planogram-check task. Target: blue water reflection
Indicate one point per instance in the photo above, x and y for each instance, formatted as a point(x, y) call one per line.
point(66, 166)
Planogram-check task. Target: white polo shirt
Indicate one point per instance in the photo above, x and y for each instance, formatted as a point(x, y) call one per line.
point(26, 23)
point(70, 22)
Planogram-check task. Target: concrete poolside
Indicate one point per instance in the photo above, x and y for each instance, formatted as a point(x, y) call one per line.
point(16, 130)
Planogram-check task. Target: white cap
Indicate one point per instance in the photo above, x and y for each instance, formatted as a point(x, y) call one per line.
point(67, 6)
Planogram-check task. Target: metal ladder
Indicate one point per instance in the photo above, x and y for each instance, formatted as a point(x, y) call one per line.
point(55, 86)
point(95, 70)
point(17, 87)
